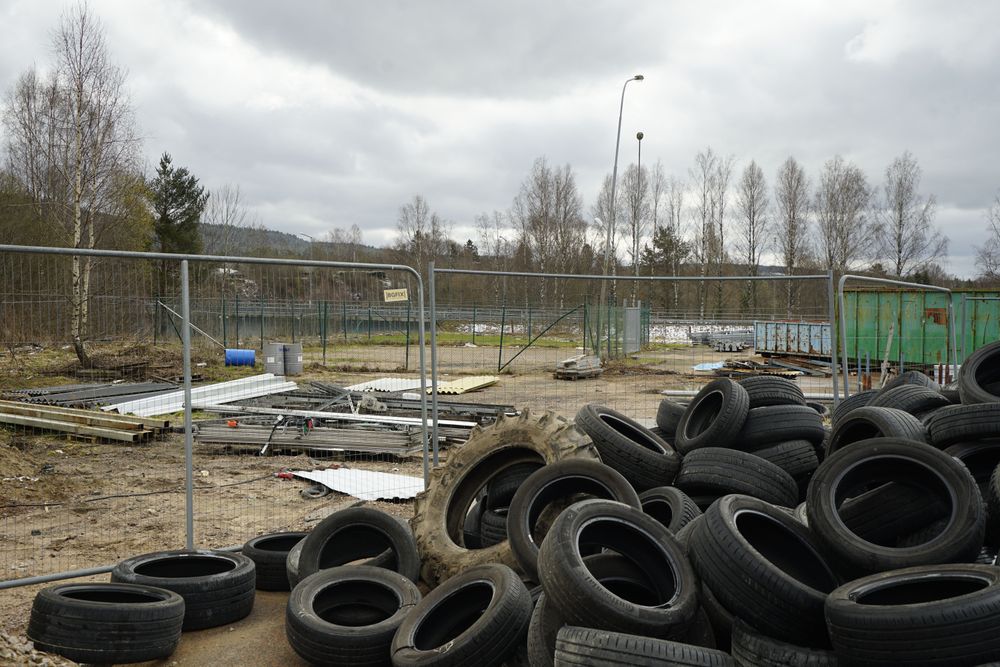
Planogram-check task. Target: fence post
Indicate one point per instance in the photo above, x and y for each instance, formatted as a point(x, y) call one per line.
point(406, 364)
point(585, 327)
point(503, 325)
point(529, 323)
point(473, 324)
point(343, 318)
point(434, 365)
point(291, 305)
point(609, 328)
point(188, 458)
point(237, 316)
point(262, 324)
point(324, 327)
point(225, 343)
point(369, 322)
point(156, 319)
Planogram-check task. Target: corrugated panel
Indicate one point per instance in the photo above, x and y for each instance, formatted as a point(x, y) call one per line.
point(387, 384)
point(462, 385)
point(365, 484)
point(797, 338)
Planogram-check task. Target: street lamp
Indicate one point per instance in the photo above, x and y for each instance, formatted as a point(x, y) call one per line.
point(614, 180)
point(635, 241)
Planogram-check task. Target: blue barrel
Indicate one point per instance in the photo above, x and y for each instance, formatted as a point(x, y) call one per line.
point(240, 357)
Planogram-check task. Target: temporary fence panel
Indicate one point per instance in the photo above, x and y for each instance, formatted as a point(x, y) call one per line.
point(520, 327)
point(84, 485)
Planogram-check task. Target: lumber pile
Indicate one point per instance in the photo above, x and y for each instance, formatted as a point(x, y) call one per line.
point(82, 423)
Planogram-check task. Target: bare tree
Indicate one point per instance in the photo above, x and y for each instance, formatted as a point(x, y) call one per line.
point(674, 223)
point(635, 198)
point(496, 246)
point(752, 226)
point(704, 176)
point(905, 233)
point(421, 234)
point(988, 254)
point(548, 213)
point(723, 175)
point(344, 243)
point(72, 140)
point(230, 221)
point(791, 196)
point(842, 214)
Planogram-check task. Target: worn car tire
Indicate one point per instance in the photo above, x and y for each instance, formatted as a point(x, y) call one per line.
point(597, 648)
point(217, 586)
point(501, 489)
point(912, 398)
point(106, 623)
point(478, 617)
point(796, 457)
point(981, 458)
point(964, 423)
point(269, 554)
point(772, 424)
point(582, 600)
point(670, 506)
point(911, 378)
point(348, 615)
point(643, 458)
point(560, 481)
point(870, 422)
point(668, 416)
point(716, 472)
point(358, 533)
point(934, 615)
point(439, 512)
point(888, 512)
point(617, 574)
point(493, 527)
point(764, 565)
point(871, 463)
point(979, 376)
point(750, 648)
point(714, 417)
point(771, 390)
point(852, 402)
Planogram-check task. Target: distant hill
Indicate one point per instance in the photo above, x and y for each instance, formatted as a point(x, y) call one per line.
point(224, 240)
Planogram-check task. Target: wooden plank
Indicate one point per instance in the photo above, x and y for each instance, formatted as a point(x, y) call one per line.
point(77, 429)
point(88, 417)
point(141, 422)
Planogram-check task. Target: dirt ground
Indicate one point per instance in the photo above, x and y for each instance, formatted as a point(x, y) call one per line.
point(82, 504)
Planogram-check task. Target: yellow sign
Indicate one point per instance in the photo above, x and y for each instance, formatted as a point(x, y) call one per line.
point(396, 295)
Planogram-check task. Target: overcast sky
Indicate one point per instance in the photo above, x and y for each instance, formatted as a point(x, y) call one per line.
point(328, 114)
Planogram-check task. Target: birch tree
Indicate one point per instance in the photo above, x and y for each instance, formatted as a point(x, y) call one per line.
point(842, 215)
point(752, 225)
point(791, 198)
point(988, 254)
point(905, 234)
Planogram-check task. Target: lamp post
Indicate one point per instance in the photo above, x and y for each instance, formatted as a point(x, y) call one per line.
point(611, 222)
point(635, 241)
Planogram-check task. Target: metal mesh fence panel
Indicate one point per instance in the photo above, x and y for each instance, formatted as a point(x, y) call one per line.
point(520, 329)
point(289, 360)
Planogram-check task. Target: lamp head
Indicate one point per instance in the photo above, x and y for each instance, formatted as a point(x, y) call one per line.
point(639, 136)
point(638, 77)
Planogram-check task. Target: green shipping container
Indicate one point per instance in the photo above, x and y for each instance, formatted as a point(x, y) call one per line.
point(919, 324)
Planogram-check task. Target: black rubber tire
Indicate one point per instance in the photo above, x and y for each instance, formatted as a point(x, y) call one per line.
point(471, 533)
point(478, 617)
point(106, 623)
point(670, 506)
point(852, 402)
point(981, 458)
point(771, 390)
point(597, 648)
point(765, 566)
point(796, 457)
point(950, 392)
point(993, 510)
point(868, 422)
point(915, 378)
point(217, 586)
point(964, 423)
point(493, 527)
point(501, 489)
point(292, 565)
point(700, 632)
point(934, 615)
point(716, 472)
point(800, 514)
point(643, 458)
point(714, 417)
point(683, 536)
point(617, 574)
point(871, 463)
point(888, 512)
point(819, 408)
point(582, 600)
point(912, 398)
point(360, 532)
point(560, 481)
point(269, 554)
point(772, 424)
point(979, 376)
point(348, 615)
point(719, 617)
point(750, 648)
point(668, 416)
